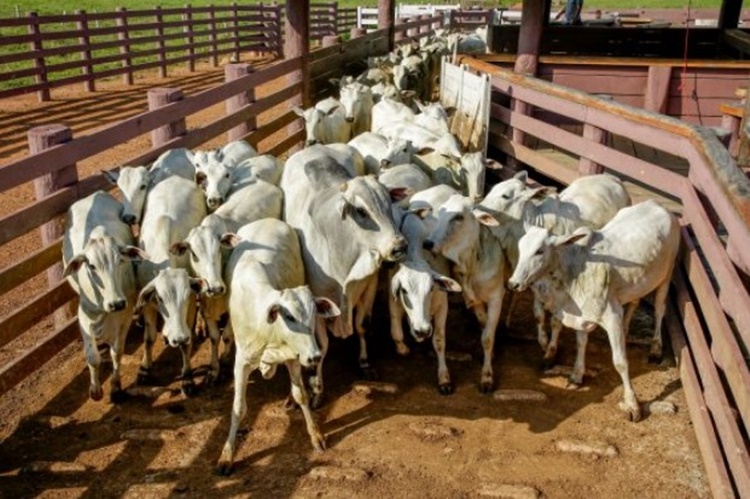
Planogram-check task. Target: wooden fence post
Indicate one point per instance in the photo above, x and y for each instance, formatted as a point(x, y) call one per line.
point(426, 27)
point(39, 64)
point(41, 138)
point(212, 36)
point(386, 19)
point(232, 72)
point(160, 97)
point(188, 30)
point(124, 37)
point(357, 32)
point(594, 134)
point(83, 26)
point(333, 15)
point(297, 44)
point(236, 32)
point(398, 35)
point(160, 42)
point(413, 31)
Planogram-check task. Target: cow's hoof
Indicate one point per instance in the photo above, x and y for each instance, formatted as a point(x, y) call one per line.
point(402, 349)
point(96, 393)
point(632, 413)
point(369, 373)
point(655, 358)
point(316, 401)
point(188, 388)
point(547, 364)
point(144, 377)
point(318, 442)
point(445, 388)
point(118, 396)
point(574, 383)
point(486, 387)
point(223, 468)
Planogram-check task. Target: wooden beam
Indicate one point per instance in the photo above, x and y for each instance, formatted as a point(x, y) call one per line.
point(657, 89)
point(387, 19)
point(297, 44)
point(530, 36)
point(729, 15)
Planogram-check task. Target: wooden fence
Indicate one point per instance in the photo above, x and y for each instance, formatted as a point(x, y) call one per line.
point(709, 316)
point(84, 47)
point(328, 19)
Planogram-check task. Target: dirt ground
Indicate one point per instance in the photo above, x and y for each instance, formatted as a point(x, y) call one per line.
point(397, 438)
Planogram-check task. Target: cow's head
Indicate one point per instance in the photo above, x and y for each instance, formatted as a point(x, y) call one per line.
point(355, 99)
point(315, 122)
point(133, 182)
point(104, 262)
point(215, 177)
point(172, 292)
point(204, 246)
point(399, 151)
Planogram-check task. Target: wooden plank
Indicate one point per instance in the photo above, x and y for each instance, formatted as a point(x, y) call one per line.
point(13, 373)
point(565, 60)
point(270, 128)
point(288, 143)
point(732, 295)
point(25, 317)
point(662, 179)
point(724, 347)
point(20, 171)
point(17, 273)
point(705, 433)
point(657, 88)
point(732, 441)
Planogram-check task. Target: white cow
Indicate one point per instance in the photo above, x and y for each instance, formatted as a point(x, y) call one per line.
point(265, 167)
point(419, 288)
point(408, 176)
point(587, 284)
point(379, 152)
point(462, 235)
point(422, 138)
point(274, 317)
point(466, 174)
point(173, 207)
point(356, 99)
point(388, 112)
point(97, 250)
point(204, 245)
point(325, 123)
point(346, 231)
point(433, 116)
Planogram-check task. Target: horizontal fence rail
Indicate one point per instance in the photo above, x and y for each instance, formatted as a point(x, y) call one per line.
point(709, 320)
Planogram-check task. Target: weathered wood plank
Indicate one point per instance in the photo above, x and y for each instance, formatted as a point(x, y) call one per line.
point(17, 273)
point(657, 88)
point(14, 372)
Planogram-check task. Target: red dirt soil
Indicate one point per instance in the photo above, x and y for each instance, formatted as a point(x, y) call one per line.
point(399, 438)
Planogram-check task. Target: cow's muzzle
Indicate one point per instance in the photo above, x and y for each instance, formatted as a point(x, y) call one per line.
point(350, 120)
point(116, 306)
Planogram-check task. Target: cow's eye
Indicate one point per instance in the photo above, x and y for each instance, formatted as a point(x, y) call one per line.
point(195, 257)
point(226, 175)
point(289, 317)
point(142, 187)
point(506, 196)
point(361, 212)
point(540, 251)
point(459, 217)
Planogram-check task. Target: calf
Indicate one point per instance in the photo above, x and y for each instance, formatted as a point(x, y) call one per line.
point(586, 285)
point(97, 250)
point(356, 99)
point(379, 152)
point(462, 235)
point(325, 123)
point(274, 316)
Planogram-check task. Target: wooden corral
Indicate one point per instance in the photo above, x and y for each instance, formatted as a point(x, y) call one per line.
point(709, 318)
point(210, 33)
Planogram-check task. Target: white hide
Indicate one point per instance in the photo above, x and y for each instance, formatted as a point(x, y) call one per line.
point(379, 152)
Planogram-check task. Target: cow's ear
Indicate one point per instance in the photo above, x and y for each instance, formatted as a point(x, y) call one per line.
point(133, 253)
point(523, 176)
point(332, 110)
point(399, 193)
point(111, 176)
point(179, 248)
point(573, 238)
point(326, 308)
point(198, 285)
point(146, 295)
point(446, 283)
point(485, 218)
point(539, 192)
point(75, 265)
point(200, 177)
point(299, 111)
point(273, 313)
point(229, 240)
point(425, 150)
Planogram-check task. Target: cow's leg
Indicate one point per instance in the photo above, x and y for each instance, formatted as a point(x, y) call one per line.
point(93, 359)
point(551, 352)
point(539, 316)
point(149, 337)
point(227, 336)
point(362, 312)
point(579, 368)
point(612, 323)
point(445, 386)
point(300, 396)
point(188, 385)
point(316, 381)
point(214, 336)
point(660, 306)
point(116, 350)
point(494, 308)
point(629, 313)
point(396, 312)
point(511, 306)
point(239, 408)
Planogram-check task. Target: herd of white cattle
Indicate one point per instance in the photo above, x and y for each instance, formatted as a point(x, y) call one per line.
point(293, 251)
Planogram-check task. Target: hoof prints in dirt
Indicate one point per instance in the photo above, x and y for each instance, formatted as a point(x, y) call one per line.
point(433, 431)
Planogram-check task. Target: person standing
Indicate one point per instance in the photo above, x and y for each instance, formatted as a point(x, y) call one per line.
point(572, 11)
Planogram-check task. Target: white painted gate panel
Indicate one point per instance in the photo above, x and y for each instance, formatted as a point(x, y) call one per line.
point(470, 95)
